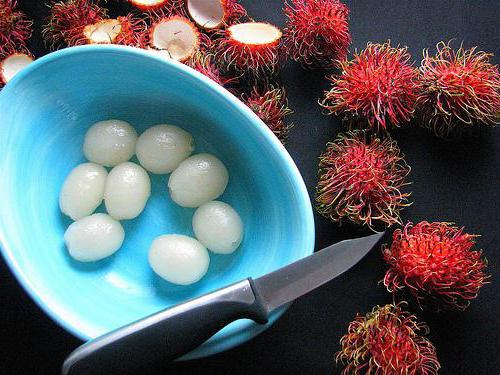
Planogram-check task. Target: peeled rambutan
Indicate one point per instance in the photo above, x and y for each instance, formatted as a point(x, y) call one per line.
point(317, 32)
point(377, 88)
point(460, 89)
point(213, 14)
point(13, 64)
point(271, 105)
point(251, 47)
point(15, 28)
point(68, 20)
point(389, 341)
point(437, 263)
point(360, 179)
point(205, 64)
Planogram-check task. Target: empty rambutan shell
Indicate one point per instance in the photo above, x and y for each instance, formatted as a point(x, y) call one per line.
point(361, 178)
point(437, 263)
point(252, 47)
point(175, 37)
point(12, 65)
point(213, 14)
point(390, 341)
point(15, 28)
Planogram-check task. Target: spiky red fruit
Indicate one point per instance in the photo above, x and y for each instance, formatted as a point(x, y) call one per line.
point(67, 21)
point(251, 47)
point(360, 179)
point(317, 32)
point(377, 88)
point(388, 341)
point(460, 89)
point(213, 14)
point(205, 64)
point(271, 105)
point(437, 263)
point(15, 28)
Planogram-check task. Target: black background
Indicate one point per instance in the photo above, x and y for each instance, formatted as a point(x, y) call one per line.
point(453, 181)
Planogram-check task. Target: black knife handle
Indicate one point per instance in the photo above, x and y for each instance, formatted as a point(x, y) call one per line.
point(168, 334)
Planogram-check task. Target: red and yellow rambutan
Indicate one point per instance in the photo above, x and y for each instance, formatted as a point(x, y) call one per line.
point(376, 89)
point(361, 179)
point(317, 32)
point(250, 47)
point(460, 90)
point(214, 14)
point(204, 63)
point(436, 262)
point(15, 28)
point(271, 105)
point(389, 341)
point(13, 64)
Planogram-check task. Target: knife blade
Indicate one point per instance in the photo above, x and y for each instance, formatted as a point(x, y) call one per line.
point(173, 332)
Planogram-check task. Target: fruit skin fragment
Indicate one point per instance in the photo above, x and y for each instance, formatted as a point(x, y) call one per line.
point(15, 28)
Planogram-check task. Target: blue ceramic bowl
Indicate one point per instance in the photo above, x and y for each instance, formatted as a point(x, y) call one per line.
point(45, 112)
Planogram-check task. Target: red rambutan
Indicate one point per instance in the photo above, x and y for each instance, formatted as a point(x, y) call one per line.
point(317, 32)
point(389, 341)
point(205, 64)
point(15, 28)
point(13, 64)
point(271, 105)
point(377, 88)
point(213, 14)
point(360, 179)
point(251, 47)
point(437, 263)
point(460, 89)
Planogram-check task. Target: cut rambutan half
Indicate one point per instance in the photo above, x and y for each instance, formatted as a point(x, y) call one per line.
point(213, 14)
point(376, 89)
point(153, 4)
point(361, 179)
point(317, 32)
point(252, 47)
point(204, 63)
point(122, 30)
point(387, 340)
point(15, 27)
point(12, 65)
point(175, 37)
point(460, 90)
point(271, 105)
point(437, 264)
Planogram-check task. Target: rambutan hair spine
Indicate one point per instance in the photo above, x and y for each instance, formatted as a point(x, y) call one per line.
point(204, 62)
point(460, 90)
point(317, 32)
point(437, 263)
point(387, 340)
point(215, 14)
point(15, 28)
point(377, 89)
point(361, 179)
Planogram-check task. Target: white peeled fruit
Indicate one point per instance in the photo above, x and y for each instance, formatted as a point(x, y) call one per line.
point(83, 190)
point(218, 226)
point(127, 191)
point(161, 148)
point(110, 142)
point(94, 237)
point(198, 180)
point(179, 259)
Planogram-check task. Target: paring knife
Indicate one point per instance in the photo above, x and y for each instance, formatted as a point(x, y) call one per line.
point(173, 332)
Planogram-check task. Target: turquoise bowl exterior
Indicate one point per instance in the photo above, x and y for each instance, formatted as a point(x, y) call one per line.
point(44, 113)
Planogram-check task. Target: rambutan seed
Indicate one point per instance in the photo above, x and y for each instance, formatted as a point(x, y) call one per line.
point(437, 263)
point(376, 89)
point(361, 179)
point(387, 340)
point(213, 14)
point(460, 90)
point(13, 64)
point(15, 28)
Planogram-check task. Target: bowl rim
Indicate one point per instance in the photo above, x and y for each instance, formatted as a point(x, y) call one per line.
point(285, 159)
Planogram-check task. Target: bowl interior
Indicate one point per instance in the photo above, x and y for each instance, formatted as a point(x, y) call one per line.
point(46, 111)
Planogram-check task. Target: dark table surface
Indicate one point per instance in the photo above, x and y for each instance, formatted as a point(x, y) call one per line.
point(453, 181)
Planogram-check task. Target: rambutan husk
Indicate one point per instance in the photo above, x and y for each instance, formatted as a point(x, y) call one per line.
point(460, 91)
point(317, 32)
point(15, 28)
point(377, 89)
point(361, 178)
point(388, 340)
point(250, 47)
point(13, 64)
point(270, 104)
point(214, 14)
point(204, 63)
point(436, 262)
